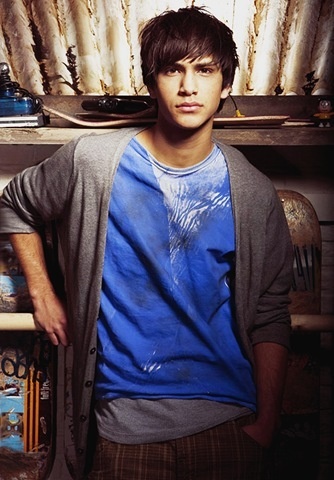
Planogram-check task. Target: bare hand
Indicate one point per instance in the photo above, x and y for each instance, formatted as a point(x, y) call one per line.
point(49, 311)
point(50, 315)
point(261, 434)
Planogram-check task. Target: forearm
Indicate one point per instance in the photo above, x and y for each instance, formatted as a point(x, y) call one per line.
point(270, 373)
point(28, 248)
point(49, 312)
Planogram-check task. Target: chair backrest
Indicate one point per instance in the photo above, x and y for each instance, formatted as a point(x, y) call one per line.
point(306, 238)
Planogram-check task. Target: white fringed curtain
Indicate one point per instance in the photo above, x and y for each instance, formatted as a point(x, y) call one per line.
point(91, 46)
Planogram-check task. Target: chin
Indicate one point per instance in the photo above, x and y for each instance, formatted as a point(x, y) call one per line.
point(195, 125)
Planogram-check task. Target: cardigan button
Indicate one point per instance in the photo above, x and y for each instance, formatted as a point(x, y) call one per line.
point(88, 383)
point(80, 451)
point(92, 351)
point(83, 418)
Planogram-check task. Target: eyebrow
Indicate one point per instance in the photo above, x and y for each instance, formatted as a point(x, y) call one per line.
point(199, 64)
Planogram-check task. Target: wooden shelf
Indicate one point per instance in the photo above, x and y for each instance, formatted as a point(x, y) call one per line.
point(280, 136)
point(300, 323)
point(300, 108)
point(283, 136)
point(17, 321)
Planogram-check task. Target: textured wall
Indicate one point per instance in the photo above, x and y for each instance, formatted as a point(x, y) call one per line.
point(90, 46)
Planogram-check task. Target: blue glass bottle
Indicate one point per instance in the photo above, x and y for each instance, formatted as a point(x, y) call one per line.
point(12, 101)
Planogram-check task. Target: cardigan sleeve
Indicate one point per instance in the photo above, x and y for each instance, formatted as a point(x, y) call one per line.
point(38, 194)
point(264, 255)
point(272, 322)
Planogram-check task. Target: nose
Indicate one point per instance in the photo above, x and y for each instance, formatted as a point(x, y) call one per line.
point(188, 84)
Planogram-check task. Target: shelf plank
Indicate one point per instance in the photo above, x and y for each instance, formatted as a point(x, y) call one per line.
point(18, 321)
point(284, 136)
point(300, 323)
point(312, 323)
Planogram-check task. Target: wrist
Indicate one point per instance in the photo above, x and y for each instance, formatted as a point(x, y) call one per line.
point(41, 292)
point(268, 421)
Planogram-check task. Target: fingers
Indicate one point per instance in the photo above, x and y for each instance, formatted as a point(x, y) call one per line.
point(59, 339)
point(57, 334)
point(53, 339)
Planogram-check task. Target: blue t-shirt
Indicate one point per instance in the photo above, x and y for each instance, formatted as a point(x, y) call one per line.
point(166, 327)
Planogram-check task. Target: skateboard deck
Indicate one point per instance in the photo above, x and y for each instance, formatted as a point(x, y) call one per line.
point(297, 448)
point(27, 384)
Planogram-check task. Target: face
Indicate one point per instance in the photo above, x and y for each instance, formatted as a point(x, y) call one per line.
point(188, 93)
point(325, 106)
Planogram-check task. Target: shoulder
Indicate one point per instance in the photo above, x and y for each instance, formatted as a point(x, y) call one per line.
point(242, 172)
point(113, 138)
point(105, 146)
point(100, 151)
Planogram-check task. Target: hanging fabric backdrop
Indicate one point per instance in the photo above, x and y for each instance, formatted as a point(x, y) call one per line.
point(91, 46)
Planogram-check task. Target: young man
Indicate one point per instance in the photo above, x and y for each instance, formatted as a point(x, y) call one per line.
point(177, 264)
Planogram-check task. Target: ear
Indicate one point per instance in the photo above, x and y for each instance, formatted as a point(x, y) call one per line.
point(152, 92)
point(225, 92)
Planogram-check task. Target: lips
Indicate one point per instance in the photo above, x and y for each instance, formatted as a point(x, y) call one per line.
point(189, 106)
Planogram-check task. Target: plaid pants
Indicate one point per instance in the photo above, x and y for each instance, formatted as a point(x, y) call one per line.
point(224, 452)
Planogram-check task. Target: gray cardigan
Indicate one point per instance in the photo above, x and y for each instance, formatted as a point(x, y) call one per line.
point(73, 188)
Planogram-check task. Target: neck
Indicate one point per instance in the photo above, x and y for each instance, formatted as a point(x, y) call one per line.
point(179, 149)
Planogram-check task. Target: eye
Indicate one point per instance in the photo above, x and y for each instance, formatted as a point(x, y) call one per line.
point(171, 71)
point(206, 70)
